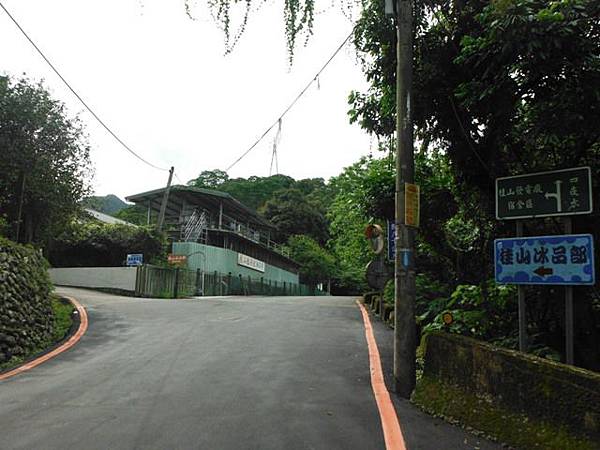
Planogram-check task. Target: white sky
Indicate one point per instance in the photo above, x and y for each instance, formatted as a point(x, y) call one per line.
point(162, 83)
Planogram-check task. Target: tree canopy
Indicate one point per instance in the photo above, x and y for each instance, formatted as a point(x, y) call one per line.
point(44, 162)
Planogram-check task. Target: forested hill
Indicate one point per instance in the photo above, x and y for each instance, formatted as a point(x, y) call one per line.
point(109, 204)
point(293, 206)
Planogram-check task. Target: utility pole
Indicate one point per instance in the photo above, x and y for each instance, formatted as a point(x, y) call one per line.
point(163, 205)
point(405, 340)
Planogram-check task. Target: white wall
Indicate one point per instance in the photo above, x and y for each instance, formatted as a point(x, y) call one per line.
point(95, 277)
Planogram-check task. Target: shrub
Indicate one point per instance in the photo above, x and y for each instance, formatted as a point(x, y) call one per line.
point(102, 245)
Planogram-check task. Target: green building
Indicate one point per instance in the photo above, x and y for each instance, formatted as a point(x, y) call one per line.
point(218, 234)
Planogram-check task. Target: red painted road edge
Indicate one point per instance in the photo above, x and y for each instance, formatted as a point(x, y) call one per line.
point(392, 434)
point(83, 325)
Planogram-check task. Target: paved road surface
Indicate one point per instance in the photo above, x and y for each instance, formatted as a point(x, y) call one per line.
point(212, 373)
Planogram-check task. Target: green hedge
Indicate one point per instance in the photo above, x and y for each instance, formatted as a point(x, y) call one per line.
point(26, 317)
point(545, 401)
point(102, 245)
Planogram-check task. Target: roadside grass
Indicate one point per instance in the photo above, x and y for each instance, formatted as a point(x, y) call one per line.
point(63, 313)
point(63, 318)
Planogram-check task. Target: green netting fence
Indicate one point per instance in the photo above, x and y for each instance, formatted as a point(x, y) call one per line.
point(166, 282)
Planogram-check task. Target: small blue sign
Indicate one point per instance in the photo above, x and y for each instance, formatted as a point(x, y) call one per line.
point(391, 240)
point(135, 259)
point(563, 259)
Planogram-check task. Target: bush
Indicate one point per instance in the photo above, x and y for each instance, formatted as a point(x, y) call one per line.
point(102, 245)
point(26, 317)
point(486, 312)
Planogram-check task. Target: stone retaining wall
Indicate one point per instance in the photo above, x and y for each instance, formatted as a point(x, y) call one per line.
point(540, 389)
point(26, 317)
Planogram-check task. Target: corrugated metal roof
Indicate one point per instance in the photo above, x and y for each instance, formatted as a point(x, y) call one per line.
point(231, 206)
point(106, 218)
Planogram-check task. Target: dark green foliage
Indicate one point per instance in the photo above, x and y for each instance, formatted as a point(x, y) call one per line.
point(44, 152)
point(135, 214)
point(294, 207)
point(500, 88)
point(63, 317)
point(26, 317)
point(210, 179)
point(109, 204)
point(102, 245)
point(316, 264)
point(485, 313)
point(293, 214)
point(253, 192)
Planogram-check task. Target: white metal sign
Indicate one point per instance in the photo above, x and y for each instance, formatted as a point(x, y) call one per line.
point(251, 263)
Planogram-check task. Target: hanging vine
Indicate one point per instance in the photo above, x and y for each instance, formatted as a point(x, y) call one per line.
point(298, 15)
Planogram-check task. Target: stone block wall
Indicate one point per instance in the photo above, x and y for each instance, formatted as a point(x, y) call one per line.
point(26, 317)
point(538, 388)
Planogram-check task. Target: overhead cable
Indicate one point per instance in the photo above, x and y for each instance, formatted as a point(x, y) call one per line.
point(277, 121)
point(100, 121)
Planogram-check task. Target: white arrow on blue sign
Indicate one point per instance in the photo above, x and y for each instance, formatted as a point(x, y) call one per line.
point(563, 259)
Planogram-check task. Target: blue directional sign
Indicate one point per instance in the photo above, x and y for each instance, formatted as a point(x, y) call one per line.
point(391, 240)
point(135, 259)
point(562, 259)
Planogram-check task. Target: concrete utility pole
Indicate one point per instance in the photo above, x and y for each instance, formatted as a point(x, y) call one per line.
point(163, 205)
point(404, 317)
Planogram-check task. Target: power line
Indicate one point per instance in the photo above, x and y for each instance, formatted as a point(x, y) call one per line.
point(77, 95)
point(277, 121)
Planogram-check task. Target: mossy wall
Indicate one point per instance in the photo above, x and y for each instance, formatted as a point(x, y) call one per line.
point(26, 318)
point(540, 389)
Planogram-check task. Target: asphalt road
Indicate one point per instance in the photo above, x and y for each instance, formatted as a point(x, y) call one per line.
point(212, 373)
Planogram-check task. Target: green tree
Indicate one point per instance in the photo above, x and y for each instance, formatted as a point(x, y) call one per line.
point(44, 162)
point(292, 214)
point(135, 214)
point(210, 179)
point(317, 265)
point(348, 218)
point(500, 88)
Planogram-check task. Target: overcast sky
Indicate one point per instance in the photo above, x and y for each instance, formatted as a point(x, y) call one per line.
point(162, 82)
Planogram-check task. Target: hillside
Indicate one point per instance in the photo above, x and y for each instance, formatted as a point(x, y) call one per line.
point(108, 204)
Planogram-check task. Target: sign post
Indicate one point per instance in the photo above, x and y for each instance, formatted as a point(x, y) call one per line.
point(566, 260)
point(569, 323)
point(521, 304)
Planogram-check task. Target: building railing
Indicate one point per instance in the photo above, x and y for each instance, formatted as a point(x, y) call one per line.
point(233, 226)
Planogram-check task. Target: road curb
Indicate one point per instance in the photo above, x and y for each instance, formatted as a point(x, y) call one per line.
point(71, 341)
point(390, 424)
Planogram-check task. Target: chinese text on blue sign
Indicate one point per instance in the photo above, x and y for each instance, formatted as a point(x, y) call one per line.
point(135, 259)
point(391, 240)
point(556, 193)
point(566, 260)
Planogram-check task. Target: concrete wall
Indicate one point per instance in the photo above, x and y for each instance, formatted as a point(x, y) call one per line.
point(95, 277)
point(211, 259)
